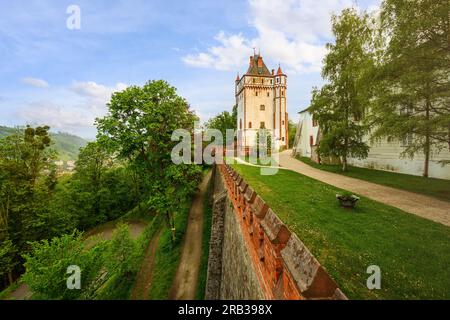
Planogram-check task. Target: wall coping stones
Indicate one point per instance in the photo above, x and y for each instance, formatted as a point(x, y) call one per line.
point(312, 279)
point(259, 207)
point(243, 186)
point(275, 229)
point(249, 194)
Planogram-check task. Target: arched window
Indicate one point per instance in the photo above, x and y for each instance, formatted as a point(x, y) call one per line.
point(250, 125)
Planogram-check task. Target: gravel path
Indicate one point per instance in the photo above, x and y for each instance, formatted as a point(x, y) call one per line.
point(421, 205)
point(184, 286)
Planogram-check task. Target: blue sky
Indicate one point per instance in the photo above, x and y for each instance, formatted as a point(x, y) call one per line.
point(51, 74)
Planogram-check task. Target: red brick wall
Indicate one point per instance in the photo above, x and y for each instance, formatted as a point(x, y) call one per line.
point(285, 267)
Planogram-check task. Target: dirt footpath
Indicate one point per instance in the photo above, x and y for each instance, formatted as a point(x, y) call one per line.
point(185, 283)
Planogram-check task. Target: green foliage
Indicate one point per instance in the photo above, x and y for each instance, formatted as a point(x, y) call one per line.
point(292, 130)
point(46, 266)
point(223, 121)
point(264, 142)
point(8, 262)
point(27, 180)
point(67, 146)
point(168, 255)
point(121, 256)
point(139, 128)
point(340, 104)
point(411, 79)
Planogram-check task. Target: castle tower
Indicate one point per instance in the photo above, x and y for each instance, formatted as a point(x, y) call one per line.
point(261, 100)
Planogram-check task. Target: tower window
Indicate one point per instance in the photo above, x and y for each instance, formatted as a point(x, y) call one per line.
point(282, 122)
point(278, 80)
point(254, 80)
point(256, 93)
point(250, 125)
point(268, 94)
point(262, 107)
point(262, 125)
point(282, 93)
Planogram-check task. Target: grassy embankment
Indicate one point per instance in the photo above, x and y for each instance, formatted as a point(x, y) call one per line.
point(412, 252)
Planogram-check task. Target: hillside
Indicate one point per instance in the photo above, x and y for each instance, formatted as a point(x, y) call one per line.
point(65, 144)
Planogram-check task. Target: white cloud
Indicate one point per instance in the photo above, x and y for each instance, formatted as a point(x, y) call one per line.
point(96, 91)
point(292, 32)
point(231, 52)
point(56, 116)
point(87, 102)
point(35, 82)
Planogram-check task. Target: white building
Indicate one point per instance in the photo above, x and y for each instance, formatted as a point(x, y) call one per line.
point(382, 156)
point(261, 103)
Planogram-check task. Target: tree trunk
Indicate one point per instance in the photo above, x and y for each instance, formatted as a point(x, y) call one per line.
point(344, 164)
point(427, 141)
point(10, 278)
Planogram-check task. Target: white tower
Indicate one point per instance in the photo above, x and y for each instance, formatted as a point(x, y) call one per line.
point(261, 100)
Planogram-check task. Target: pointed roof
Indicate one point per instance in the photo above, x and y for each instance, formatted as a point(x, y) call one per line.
point(237, 78)
point(257, 66)
point(279, 72)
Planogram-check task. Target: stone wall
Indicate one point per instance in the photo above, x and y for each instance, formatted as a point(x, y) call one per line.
point(253, 255)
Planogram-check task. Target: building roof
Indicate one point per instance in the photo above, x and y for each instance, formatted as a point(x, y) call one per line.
point(257, 66)
point(304, 110)
point(279, 72)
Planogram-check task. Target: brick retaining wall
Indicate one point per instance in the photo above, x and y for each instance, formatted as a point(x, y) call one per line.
point(283, 266)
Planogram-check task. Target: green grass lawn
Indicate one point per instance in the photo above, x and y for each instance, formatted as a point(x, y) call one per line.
point(437, 188)
point(413, 253)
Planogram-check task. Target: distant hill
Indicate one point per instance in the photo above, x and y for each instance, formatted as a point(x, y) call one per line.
point(67, 145)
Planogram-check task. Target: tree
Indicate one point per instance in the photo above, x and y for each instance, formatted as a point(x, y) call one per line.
point(121, 254)
point(27, 180)
point(412, 80)
point(223, 121)
point(292, 131)
point(92, 164)
point(48, 262)
point(264, 142)
point(7, 259)
point(139, 127)
point(340, 104)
